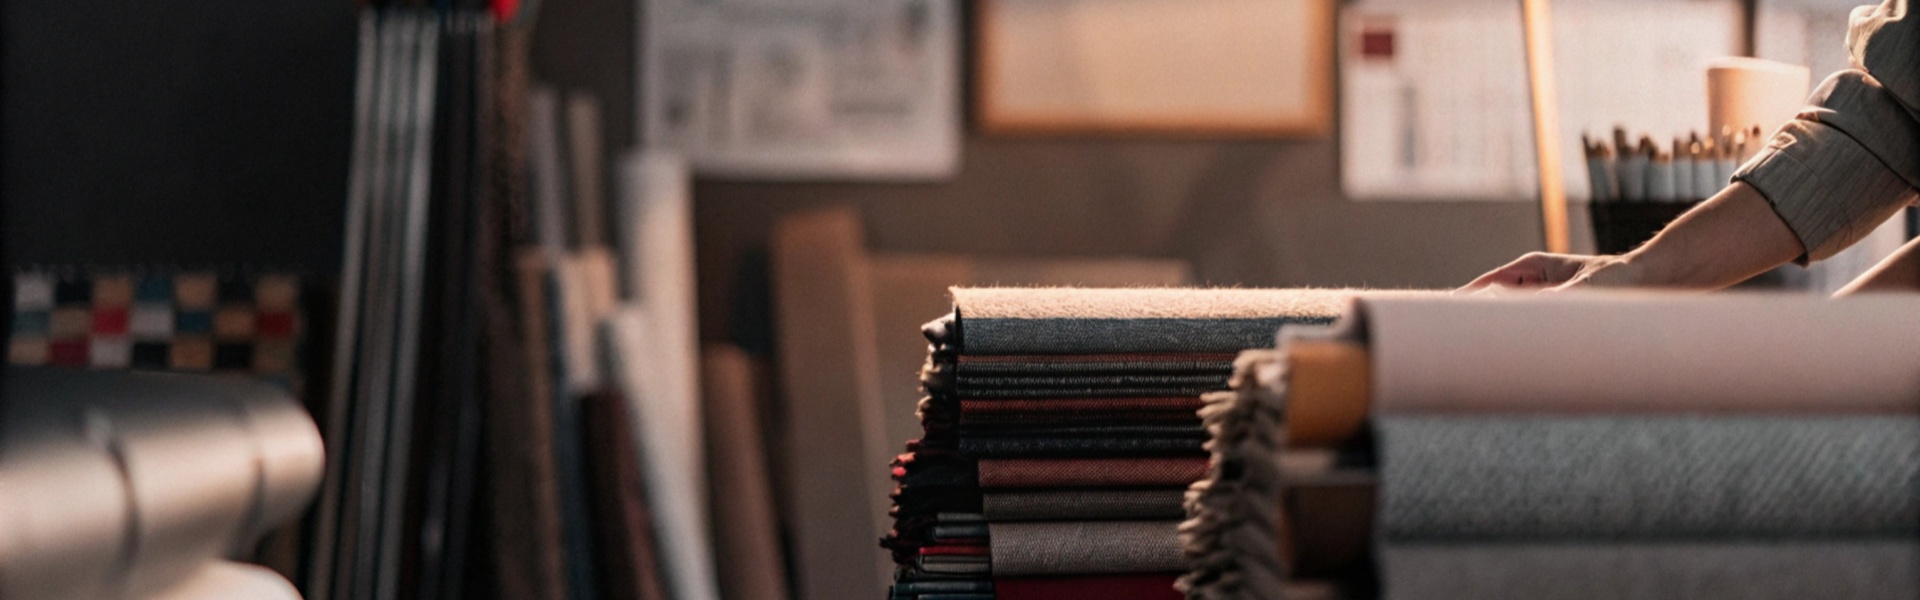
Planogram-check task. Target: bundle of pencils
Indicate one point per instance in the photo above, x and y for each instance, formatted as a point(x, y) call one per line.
point(1637, 187)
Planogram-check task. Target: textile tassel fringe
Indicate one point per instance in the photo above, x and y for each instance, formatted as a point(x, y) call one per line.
point(1232, 515)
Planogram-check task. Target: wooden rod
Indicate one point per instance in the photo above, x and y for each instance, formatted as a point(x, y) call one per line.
point(1537, 22)
point(1327, 392)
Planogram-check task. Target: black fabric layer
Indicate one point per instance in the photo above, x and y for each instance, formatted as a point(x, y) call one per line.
point(1078, 447)
point(1087, 392)
point(1142, 367)
point(1191, 429)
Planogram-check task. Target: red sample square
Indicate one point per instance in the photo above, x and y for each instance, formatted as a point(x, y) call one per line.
point(68, 353)
point(110, 321)
point(274, 324)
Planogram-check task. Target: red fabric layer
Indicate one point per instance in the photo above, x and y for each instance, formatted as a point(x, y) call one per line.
point(953, 550)
point(988, 359)
point(1087, 587)
point(1090, 472)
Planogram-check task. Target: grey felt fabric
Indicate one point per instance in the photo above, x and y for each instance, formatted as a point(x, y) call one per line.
point(1856, 570)
point(1095, 336)
point(1083, 505)
point(1085, 547)
point(1648, 477)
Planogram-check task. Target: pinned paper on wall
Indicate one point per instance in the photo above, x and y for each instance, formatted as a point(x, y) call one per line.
point(1434, 94)
point(807, 89)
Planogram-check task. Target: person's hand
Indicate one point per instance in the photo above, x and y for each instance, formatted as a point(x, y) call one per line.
point(1556, 271)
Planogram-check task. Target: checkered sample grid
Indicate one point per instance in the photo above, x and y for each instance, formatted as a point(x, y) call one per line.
point(174, 321)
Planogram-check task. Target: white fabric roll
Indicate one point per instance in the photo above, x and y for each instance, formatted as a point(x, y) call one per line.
point(124, 484)
point(222, 580)
point(1642, 352)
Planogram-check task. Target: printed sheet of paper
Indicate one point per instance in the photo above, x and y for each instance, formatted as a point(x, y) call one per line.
point(804, 89)
point(1434, 101)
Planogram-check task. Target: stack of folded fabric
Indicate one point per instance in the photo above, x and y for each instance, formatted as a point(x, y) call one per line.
point(1061, 433)
point(1608, 446)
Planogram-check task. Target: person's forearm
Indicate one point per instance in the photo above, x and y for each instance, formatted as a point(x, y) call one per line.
point(1731, 237)
point(1899, 272)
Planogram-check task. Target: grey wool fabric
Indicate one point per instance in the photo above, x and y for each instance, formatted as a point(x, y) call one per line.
point(1098, 321)
point(1855, 569)
point(1085, 547)
point(1233, 515)
point(1626, 478)
point(1083, 505)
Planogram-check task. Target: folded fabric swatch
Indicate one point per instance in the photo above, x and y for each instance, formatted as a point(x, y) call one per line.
point(1231, 535)
point(1077, 381)
point(1099, 406)
point(1086, 446)
point(1648, 477)
point(1091, 472)
point(1110, 321)
point(944, 596)
point(1041, 420)
point(944, 586)
point(1089, 391)
point(1857, 570)
point(1151, 586)
point(1085, 547)
point(1176, 429)
point(954, 565)
point(934, 468)
point(1083, 505)
point(1090, 364)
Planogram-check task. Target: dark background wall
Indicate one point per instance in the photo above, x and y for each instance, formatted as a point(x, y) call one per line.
point(216, 131)
point(201, 132)
point(1266, 213)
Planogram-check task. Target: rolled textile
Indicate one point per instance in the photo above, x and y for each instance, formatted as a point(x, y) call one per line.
point(1109, 321)
point(1640, 352)
point(1085, 547)
point(1743, 570)
point(126, 484)
point(1082, 505)
point(223, 580)
point(1148, 586)
point(1612, 478)
point(1080, 446)
point(996, 473)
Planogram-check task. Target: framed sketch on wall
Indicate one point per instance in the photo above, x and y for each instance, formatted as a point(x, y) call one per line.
point(804, 90)
point(1236, 68)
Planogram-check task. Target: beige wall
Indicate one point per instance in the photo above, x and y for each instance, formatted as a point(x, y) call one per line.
point(1244, 213)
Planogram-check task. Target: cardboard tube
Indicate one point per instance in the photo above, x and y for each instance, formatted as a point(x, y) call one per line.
point(1326, 392)
point(1743, 92)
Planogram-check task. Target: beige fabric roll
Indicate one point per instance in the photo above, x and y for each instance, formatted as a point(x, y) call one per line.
point(222, 580)
point(1639, 352)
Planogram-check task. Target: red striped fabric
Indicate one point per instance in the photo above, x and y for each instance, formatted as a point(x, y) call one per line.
point(1091, 472)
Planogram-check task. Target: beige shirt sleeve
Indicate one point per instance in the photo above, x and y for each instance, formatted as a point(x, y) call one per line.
point(1851, 159)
